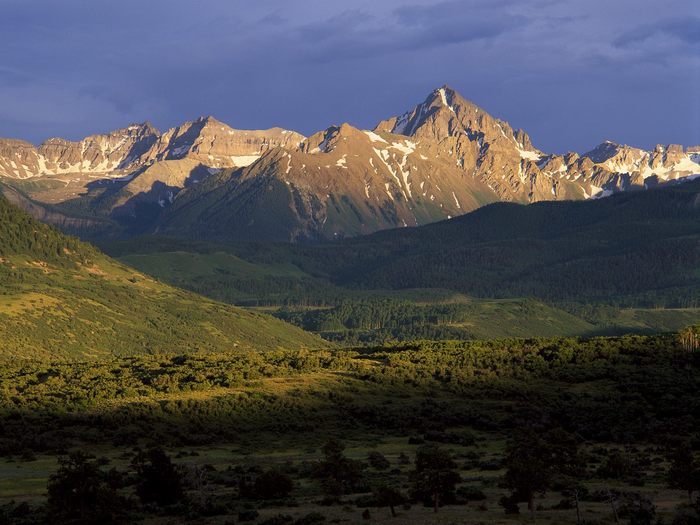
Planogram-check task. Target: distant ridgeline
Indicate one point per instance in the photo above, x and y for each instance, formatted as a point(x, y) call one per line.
point(632, 248)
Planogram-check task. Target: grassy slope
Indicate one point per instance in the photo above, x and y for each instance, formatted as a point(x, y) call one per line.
point(214, 273)
point(62, 299)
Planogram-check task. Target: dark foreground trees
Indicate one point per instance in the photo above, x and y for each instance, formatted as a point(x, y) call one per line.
point(159, 481)
point(272, 484)
point(434, 477)
point(388, 496)
point(338, 474)
point(534, 458)
point(684, 472)
point(81, 491)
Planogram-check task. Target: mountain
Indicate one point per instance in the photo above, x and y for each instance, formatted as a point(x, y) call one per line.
point(97, 154)
point(633, 248)
point(441, 159)
point(339, 182)
point(129, 175)
point(506, 160)
point(62, 299)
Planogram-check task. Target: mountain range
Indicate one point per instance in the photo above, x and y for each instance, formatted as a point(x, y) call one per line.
point(204, 179)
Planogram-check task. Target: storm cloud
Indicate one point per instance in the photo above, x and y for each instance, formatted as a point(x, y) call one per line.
point(571, 73)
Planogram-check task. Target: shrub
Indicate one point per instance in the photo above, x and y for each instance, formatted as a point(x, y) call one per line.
point(378, 461)
point(272, 484)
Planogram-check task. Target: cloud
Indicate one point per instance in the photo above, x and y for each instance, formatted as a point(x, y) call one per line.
point(356, 34)
point(455, 22)
point(684, 29)
point(71, 68)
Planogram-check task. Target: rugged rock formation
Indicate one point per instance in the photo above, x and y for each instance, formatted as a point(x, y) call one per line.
point(340, 182)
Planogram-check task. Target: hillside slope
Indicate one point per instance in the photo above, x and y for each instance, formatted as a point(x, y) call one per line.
point(62, 299)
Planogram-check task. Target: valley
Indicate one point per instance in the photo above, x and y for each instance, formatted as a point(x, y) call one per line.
point(326, 263)
point(428, 322)
point(625, 264)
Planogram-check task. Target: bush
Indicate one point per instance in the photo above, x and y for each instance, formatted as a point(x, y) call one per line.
point(434, 477)
point(686, 516)
point(617, 465)
point(19, 514)
point(310, 519)
point(248, 515)
point(638, 508)
point(378, 461)
point(509, 504)
point(280, 519)
point(159, 481)
point(272, 485)
point(338, 474)
point(81, 491)
point(470, 493)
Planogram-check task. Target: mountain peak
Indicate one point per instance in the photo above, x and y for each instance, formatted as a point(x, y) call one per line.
point(443, 103)
point(141, 128)
point(450, 98)
point(604, 151)
point(209, 119)
point(445, 88)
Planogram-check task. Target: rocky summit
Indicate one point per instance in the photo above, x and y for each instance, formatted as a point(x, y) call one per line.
point(441, 159)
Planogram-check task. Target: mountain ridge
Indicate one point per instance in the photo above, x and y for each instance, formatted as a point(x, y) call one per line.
point(443, 158)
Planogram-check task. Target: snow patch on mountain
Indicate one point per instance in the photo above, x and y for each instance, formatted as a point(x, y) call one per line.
point(443, 97)
point(407, 147)
point(374, 137)
point(242, 161)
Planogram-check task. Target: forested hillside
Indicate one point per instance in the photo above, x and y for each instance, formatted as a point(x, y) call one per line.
point(627, 263)
point(62, 298)
point(640, 249)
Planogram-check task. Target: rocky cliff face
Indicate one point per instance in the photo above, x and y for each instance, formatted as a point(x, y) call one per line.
point(216, 145)
point(132, 173)
point(340, 182)
point(441, 159)
point(97, 154)
point(506, 160)
point(205, 140)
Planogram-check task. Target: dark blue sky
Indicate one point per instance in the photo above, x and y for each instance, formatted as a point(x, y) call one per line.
point(570, 72)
